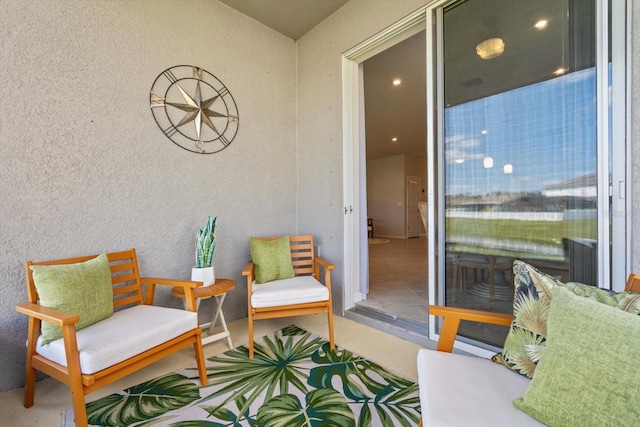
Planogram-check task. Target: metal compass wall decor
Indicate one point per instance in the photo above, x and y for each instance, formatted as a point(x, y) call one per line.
point(194, 109)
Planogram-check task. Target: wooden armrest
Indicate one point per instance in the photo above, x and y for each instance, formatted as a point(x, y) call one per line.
point(187, 285)
point(47, 314)
point(451, 321)
point(171, 282)
point(248, 269)
point(326, 264)
point(633, 283)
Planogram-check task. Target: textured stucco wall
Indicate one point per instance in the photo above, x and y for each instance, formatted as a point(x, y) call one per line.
point(84, 167)
point(320, 195)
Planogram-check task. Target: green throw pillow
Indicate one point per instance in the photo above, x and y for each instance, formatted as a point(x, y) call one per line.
point(271, 259)
point(589, 375)
point(84, 289)
point(525, 341)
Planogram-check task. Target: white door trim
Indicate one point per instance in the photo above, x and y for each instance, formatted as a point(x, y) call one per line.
point(355, 232)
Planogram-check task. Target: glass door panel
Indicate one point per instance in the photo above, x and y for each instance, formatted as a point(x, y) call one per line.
point(520, 148)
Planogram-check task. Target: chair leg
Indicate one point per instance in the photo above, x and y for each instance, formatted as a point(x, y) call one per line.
point(250, 335)
point(330, 321)
point(29, 384)
point(30, 372)
point(77, 400)
point(202, 367)
point(456, 278)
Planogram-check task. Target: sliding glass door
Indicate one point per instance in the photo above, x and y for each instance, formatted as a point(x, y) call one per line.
point(522, 156)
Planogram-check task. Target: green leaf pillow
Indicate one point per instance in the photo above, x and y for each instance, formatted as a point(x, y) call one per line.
point(84, 289)
point(589, 375)
point(526, 339)
point(271, 259)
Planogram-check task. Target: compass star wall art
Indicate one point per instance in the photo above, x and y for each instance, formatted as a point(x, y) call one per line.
point(194, 109)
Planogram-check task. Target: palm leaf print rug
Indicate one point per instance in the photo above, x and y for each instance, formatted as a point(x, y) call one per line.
point(294, 380)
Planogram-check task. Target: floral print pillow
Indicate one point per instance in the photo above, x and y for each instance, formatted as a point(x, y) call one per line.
point(525, 342)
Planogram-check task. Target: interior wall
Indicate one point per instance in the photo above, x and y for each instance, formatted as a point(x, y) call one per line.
point(386, 192)
point(417, 166)
point(85, 169)
point(386, 196)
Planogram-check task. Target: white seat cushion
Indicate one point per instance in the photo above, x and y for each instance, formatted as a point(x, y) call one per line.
point(125, 334)
point(296, 290)
point(460, 390)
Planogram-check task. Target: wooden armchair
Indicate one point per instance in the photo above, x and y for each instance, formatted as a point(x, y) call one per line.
point(307, 281)
point(99, 354)
point(461, 390)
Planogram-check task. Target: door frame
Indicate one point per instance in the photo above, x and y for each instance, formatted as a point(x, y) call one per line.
point(353, 151)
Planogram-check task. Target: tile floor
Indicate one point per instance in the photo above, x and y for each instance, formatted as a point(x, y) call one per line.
point(398, 279)
point(398, 291)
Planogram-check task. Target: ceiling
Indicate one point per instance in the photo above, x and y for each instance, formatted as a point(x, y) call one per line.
point(293, 18)
point(530, 56)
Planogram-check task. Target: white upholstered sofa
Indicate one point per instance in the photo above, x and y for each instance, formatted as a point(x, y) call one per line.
point(587, 375)
point(460, 390)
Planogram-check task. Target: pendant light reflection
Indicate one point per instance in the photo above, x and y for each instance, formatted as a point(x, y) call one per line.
point(488, 162)
point(490, 48)
point(508, 168)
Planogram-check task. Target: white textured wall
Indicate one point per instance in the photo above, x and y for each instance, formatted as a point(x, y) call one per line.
point(84, 167)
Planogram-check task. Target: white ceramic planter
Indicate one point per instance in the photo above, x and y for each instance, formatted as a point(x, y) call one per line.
point(206, 275)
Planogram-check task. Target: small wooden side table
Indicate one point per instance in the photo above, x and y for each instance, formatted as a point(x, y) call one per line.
point(219, 290)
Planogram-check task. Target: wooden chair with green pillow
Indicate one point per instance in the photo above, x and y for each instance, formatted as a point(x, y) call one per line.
point(284, 278)
point(87, 317)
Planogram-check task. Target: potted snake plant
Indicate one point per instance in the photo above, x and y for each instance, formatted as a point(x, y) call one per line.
point(205, 247)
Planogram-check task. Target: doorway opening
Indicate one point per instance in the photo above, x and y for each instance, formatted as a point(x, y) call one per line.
point(395, 257)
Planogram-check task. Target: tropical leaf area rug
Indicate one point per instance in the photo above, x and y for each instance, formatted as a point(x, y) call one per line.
point(294, 380)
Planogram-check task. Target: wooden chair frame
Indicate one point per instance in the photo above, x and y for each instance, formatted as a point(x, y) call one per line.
point(305, 263)
point(127, 291)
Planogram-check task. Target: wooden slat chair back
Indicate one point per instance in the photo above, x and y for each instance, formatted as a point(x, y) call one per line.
point(128, 289)
point(305, 263)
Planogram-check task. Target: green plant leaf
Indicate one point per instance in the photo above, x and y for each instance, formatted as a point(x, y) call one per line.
point(399, 407)
point(324, 407)
point(361, 378)
point(275, 368)
point(143, 401)
point(206, 244)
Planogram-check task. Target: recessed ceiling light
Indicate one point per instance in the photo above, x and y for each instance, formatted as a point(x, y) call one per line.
point(394, 139)
point(459, 160)
point(396, 82)
point(560, 71)
point(484, 131)
point(541, 24)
